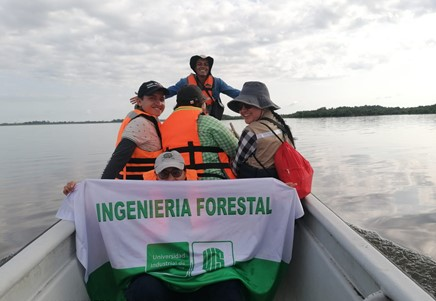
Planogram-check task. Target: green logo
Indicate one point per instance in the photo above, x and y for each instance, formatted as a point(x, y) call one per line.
point(178, 260)
point(211, 255)
point(213, 259)
point(172, 258)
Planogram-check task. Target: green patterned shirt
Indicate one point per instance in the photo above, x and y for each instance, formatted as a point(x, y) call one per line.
point(214, 133)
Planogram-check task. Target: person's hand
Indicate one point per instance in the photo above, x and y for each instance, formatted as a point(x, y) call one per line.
point(134, 100)
point(69, 187)
point(290, 184)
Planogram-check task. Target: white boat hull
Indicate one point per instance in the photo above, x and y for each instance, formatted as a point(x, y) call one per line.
point(47, 269)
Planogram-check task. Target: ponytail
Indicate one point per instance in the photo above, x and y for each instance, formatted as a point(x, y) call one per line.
point(285, 126)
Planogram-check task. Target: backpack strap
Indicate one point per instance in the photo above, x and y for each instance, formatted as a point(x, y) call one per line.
point(281, 140)
point(257, 160)
point(276, 123)
point(281, 127)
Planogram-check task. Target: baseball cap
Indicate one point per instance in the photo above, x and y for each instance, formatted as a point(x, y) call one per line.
point(169, 159)
point(148, 88)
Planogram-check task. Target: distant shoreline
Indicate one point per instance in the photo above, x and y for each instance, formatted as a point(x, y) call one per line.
point(44, 122)
point(319, 113)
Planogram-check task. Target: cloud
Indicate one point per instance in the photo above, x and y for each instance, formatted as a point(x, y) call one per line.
point(89, 50)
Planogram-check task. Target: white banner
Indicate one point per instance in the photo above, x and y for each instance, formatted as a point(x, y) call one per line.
point(181, 227)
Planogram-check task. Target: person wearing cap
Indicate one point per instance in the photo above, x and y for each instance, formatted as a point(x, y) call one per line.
point(204, 142)
point(139, 139)
point(210, 85)
point(170, 166)
point(258, 144)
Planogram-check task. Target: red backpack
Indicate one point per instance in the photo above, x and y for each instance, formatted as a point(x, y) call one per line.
point(291, 166)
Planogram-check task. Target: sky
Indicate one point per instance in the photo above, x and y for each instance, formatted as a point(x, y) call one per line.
point(78, 60)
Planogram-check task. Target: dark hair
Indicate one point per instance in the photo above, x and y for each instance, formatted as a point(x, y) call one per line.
point(190, 95)
point(285, 126)
point(194, 103)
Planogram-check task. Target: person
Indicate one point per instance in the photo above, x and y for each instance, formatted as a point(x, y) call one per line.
point(210, 85)
point(204, 142)
point(147, 287)
point(258, 144)
point(170, 166)
point(139, 138)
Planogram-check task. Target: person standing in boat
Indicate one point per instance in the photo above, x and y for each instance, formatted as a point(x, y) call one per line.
point(210, 86)
point(257, 144)
point(203, 141)
point(139, 138)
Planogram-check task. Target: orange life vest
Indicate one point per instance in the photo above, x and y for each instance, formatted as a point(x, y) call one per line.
point(141, 160)
point(206, 87)
point(180, 133)
point(191, 175)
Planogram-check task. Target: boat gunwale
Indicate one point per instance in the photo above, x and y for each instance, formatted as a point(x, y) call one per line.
point(29, 257)
point(392, 281)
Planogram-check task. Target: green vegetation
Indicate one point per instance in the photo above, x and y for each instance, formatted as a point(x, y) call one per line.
point(321, 112)
point(362, 111)
point(43, 122)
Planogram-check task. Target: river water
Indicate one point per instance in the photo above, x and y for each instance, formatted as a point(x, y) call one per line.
point(377, 173)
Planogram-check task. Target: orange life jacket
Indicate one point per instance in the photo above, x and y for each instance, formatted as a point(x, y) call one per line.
point(180, 133)
point(141, 160)
point(206, 87)
point(191, 175)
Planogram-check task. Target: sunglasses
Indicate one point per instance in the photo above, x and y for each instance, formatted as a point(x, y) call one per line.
point(247, 107)
point(175, 172)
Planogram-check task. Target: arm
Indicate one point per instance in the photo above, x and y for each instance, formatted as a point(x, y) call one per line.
point(246, 147)
point(120, 157)
point(175, 88)
point(224, 88)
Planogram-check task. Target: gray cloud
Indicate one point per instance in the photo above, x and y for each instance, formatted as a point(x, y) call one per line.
point(92, 50)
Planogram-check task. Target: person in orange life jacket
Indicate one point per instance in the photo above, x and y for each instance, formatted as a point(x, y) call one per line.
point(210, 85)
point(170, 166)
point(204, 142)
point(139, 139)
point(257, 144)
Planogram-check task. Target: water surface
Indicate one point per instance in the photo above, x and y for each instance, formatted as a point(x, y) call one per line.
point(377, 173)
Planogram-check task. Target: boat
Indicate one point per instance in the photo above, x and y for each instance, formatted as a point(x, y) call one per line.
point(330, 262)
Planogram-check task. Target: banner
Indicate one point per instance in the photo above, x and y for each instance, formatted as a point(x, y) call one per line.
point(187, 233)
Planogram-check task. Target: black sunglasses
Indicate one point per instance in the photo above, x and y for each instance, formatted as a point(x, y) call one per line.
point(175, 172)
point(247, 107)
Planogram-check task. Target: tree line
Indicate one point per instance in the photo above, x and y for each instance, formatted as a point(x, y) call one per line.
point(321, 112)
point(362, 111)
point(42, 122)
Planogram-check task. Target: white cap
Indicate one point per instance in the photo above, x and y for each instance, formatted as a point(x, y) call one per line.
point(169, 159)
